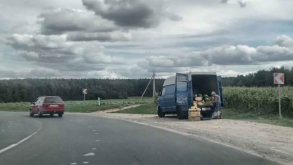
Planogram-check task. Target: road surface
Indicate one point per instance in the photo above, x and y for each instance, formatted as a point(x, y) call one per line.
point(84, 139)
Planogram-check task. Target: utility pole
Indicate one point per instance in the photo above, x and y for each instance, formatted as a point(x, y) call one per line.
point(154, 86)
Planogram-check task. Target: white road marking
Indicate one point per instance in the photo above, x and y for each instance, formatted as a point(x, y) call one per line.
point(94, 148)
point(94, 130)
point(96, 133)
point(23, 140)
point(3, 130)
point(9, 126)
point(85, 162)
point(90, 126)
point(89, 154)
point(73, 163)
point(97, 140)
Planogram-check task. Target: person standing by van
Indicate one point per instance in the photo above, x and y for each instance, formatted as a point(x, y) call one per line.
point(217, 105)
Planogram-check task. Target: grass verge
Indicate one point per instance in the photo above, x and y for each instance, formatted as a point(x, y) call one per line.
point(143, 109)
point(229, 113)
point(80, 106)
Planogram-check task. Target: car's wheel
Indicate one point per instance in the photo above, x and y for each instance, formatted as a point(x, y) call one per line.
point(160, 112)
point(51, 114)
point(60, 114)
point(181, 114)
point(40, 114)
point(31, 113)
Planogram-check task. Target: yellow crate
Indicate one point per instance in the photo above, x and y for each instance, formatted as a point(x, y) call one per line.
point(194, 118)
point(196, 113)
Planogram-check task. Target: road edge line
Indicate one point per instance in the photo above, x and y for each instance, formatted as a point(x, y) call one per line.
point(21, 141)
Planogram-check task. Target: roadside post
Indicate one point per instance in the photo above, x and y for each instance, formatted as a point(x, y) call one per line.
point(84, 92)
point(99, 102)
point(279, 78)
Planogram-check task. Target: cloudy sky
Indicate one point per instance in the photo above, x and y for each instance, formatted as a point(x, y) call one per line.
point(131, 38)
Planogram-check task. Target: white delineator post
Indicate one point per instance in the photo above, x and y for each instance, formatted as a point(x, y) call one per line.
point(99, 103)
point(154, 84)
point(280, 113)
point(84, 92)
point(279, 78)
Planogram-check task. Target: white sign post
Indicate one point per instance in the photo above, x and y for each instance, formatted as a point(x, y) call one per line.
point(84, 92)
point(279, 78)
point(99, 102)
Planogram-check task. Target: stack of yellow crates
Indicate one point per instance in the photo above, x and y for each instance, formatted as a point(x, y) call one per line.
point(194, 112)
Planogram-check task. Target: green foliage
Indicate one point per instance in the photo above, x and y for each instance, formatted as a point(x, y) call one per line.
point(259, 100)
point(27, 90)
point(155, 98)
point(143, 109)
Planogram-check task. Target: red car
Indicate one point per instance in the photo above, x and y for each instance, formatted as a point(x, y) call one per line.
point(48, 105)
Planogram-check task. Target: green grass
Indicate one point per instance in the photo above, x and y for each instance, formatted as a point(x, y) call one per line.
point(228, 113)
point(80, 106)
point(143, 109)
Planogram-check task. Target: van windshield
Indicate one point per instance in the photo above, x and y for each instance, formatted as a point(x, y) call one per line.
point(181, 86)
point(53, 100)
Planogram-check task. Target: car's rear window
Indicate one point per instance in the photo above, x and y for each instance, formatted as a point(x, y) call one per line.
point(53, 100)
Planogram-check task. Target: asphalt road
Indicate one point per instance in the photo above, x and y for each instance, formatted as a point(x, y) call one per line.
point(84, 139)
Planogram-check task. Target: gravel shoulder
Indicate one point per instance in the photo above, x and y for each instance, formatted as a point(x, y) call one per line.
point(269, 141)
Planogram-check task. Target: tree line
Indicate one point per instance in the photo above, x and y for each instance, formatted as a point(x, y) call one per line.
point(23, 90)
point(261, 78)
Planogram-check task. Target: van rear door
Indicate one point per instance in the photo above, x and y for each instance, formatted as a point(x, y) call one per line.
point(220, 89)
point(181, 89)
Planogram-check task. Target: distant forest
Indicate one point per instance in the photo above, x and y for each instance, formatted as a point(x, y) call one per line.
point(16, 90)
point(261, 78)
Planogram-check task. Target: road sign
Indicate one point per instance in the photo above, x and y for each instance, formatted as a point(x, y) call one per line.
point(279, 78)
point(84, 91)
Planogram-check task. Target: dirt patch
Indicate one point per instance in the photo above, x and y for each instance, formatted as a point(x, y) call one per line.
point(268, 141)
point(117, 109)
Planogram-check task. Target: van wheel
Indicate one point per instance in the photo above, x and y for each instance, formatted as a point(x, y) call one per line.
point(60, 114)
point(51, 114)
point(40, 114)
point(181, 114)
point(31, 113)
point(160, 112)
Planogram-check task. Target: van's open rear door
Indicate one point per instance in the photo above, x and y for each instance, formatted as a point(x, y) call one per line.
point(219, 78)
point(181, 89)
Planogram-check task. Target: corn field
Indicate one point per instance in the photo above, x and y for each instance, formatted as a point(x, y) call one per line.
point(261, 100)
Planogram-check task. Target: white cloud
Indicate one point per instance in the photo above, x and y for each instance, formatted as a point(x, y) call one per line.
point(100, 57)
point(284, 40)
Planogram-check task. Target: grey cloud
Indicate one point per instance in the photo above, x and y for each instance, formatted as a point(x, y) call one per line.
point(103, 37)
point(44, 48)
point(173, 16)
point(60, 21)
point(224, 1)
point(129, 13)
point(224, 55)
point(242, 3)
